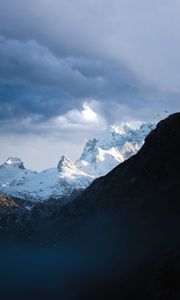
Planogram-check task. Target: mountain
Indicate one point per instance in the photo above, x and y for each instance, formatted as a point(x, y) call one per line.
point(136, 209)
point(116, 144)
point(145, 173)
point(99, 156)
point(138, 192)
point(131, 217)
point(19, 182)
point(14, 162)
point(119, 238)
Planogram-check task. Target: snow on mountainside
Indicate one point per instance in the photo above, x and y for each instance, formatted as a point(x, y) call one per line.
point(114, 146)
point(15, 162)
point(54, 182)
point(100, 155)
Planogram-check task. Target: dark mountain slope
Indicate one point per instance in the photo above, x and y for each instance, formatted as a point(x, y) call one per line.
point(153, 171)
point(141, 197)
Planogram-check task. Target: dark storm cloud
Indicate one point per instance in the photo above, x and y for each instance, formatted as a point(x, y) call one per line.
point(36, 65)
point(34, 81)
point(56, 55)
point(18, 100)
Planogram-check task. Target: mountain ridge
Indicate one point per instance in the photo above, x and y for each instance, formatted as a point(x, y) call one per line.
point(151, 155)
point(99, 156)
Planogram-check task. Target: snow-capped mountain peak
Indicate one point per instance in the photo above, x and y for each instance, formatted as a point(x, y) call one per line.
point(68, 169)
point(100, 155)
point(14, 162)
point(89, 152)
point(64, 163)
point(113, 146)
point(120, 128)
point(19, 182)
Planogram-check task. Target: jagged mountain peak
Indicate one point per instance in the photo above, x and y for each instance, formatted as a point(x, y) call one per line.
point(141, 176)
point(64, 162)
point(119, 133)
point(89, 151)
point(14, 162)
point(117, 143)
point(120, 128)
point(100, 156)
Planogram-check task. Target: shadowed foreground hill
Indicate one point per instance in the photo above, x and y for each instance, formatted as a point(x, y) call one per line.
point(142, 198)
point(151, 178)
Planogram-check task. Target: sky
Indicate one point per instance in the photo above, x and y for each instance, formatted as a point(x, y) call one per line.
point(69, 69)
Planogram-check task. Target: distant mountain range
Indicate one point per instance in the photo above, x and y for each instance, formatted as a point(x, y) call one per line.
point(100, 155)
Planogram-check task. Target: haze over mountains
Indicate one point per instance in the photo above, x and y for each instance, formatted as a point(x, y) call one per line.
point(99, 156)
